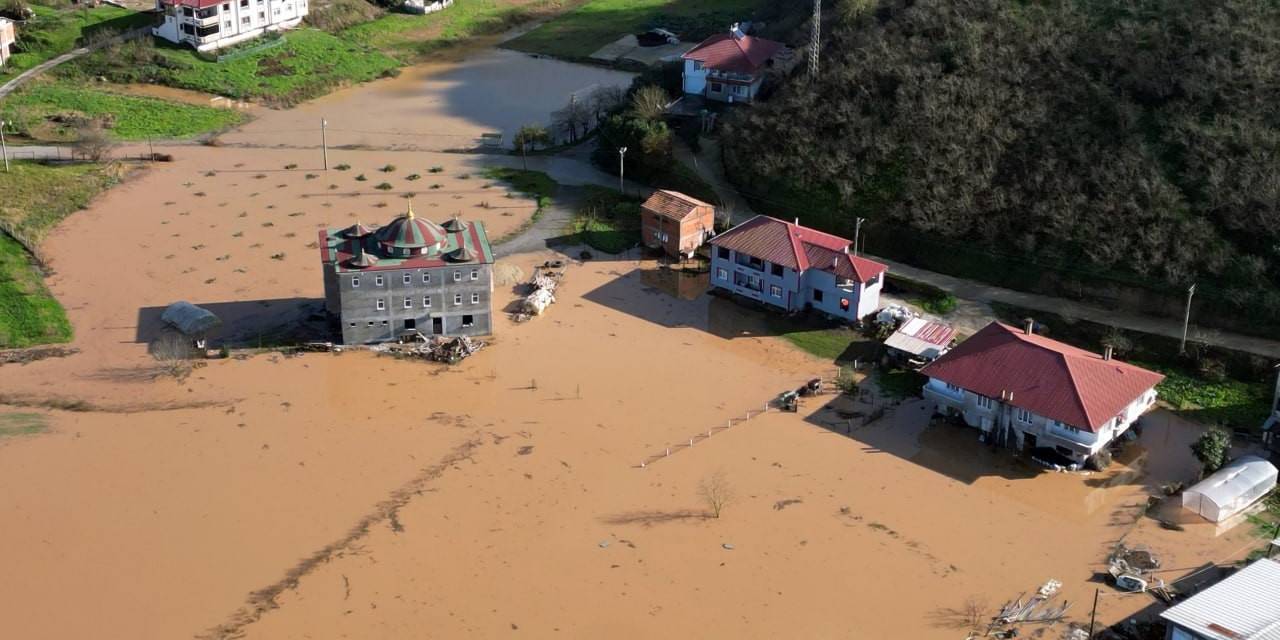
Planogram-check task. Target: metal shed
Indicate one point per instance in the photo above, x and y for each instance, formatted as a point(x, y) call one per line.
point(1231, 489)
point(1245, 606)
point(192, 321)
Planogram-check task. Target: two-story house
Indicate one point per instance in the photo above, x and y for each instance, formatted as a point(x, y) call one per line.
point(676, 223)
point(729, 67)
point(791, 267)
point(213, 24)
point(1028, 392)
point(8, 35)
point(411, 277)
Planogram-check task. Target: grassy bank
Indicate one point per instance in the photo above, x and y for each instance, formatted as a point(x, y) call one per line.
point(37, 197)
point(51, 111)
point(410, 38)
point(581, 32)
point(608, 221)
point(308, 64)
point(54, 32)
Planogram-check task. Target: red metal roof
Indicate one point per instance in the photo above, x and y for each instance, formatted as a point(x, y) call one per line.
point(673, 204)
point(797, 247)
point(1044, 376)
point(734, 53)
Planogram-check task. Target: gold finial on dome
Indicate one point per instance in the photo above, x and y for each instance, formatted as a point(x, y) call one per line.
point(409, 214)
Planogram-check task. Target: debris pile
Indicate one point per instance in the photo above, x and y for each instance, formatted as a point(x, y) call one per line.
point(1132, 568)
point(1039, 608)
point(450, 350)
point(546, 279)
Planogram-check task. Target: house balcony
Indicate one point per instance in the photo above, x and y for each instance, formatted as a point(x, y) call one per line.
point(729, 76)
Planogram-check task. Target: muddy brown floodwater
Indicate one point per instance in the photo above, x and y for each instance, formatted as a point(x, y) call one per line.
point(356, 496)
point(436, 106)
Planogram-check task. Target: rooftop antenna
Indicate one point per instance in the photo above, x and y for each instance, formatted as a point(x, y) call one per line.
point(815, 40)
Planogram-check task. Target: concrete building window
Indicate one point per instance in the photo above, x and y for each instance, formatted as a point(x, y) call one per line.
point(371, 323)
point(817, 295)
point(353, 325)
point(475, 298)
point(984, 402)
point(457, 298)
point(426, 302)
point(381, 304)
point(244, 3)
point(408, 278)
point(426, 277)
point(355, 282)
point(226, 6)
point(468, 320)
point(408, 302)
point(717, 87)
point(244, 22)
point(262, 15)
point(722, 253)
point(776, 269)
point(377, 280)
point(722, 274)
point(1024, 416)
point(475, 274)
point(953, 388)
point(227, 24)
point(775, 291)
point(457, 276)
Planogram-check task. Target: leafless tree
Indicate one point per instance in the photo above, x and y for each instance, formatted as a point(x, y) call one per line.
point(976, 611)
point(93, 141)
point(716, 492)
point(173, 353)
point(606, 99)
point(571, 118)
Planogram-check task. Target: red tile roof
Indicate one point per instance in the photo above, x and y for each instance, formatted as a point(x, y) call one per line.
point(797, 247)
point(673, 204)
point(1046, 377)
point(736, 54)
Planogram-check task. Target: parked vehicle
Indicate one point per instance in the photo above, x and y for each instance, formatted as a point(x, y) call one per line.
point(657, 38)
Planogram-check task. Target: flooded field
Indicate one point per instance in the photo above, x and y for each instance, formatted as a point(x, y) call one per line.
point(351, 495)
point(437, 106)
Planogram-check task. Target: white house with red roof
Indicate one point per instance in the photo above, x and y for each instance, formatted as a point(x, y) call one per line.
point(791, 267)
point(213, 24)
point(8, 36)
point(729, 67)
point(1031, 393)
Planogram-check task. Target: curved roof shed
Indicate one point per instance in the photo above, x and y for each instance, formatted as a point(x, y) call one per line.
point(1231, 489)
point(190, 319)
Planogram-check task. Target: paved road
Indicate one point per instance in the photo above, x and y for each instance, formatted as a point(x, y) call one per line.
point(978, 295)
point(10, 86)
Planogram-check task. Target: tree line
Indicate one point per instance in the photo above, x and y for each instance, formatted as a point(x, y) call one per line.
point(1132, 137)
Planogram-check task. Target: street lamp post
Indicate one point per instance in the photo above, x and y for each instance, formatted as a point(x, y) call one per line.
point(857, 229)
point(4, 150)
point(1186, 319)
point(622, 167)
point(324, 142)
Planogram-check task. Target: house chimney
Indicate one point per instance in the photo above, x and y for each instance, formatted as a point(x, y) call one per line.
point(1106, 353)
point(1029, 326)
point(797, 221)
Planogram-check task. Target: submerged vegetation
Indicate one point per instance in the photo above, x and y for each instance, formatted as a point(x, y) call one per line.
point(55, 110)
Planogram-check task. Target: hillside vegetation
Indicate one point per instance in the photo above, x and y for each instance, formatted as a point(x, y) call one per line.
point(1045, 145)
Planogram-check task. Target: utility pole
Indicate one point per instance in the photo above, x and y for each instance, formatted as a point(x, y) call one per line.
point(4, 150)
point(324, 142)
point(1093, 616)
point(524, 153)
point(857, 230)
point(151, 150)
point(622, 167)
point(815, 40)
point(1186, 319)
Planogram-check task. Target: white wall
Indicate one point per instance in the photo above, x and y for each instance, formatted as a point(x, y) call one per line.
point(1048, 433)
point(695, 77)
